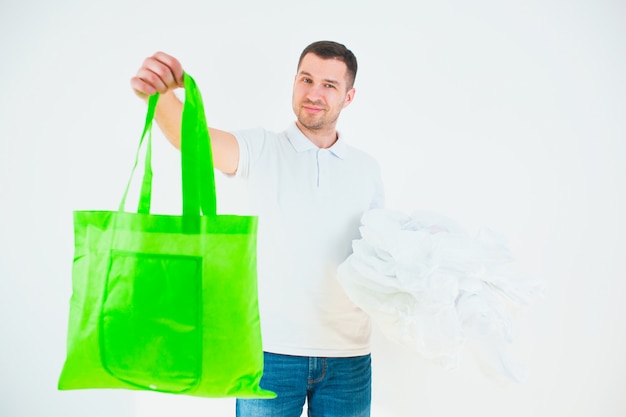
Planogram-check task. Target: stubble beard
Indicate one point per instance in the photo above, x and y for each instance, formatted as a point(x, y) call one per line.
point(316, 123)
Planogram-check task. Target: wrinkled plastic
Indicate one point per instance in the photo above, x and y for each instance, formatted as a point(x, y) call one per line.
point(433, 287)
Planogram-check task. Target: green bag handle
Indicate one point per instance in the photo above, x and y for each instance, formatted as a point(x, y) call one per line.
point(197, 160)
point(198, 178)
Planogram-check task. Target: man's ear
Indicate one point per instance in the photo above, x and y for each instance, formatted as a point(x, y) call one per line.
point(349, 97)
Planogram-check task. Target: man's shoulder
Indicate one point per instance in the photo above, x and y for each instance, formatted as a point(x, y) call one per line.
point(360, 155)
point(257, 133)
point(258, 137)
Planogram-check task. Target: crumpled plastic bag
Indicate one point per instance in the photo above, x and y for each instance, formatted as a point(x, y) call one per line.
point(433, 287)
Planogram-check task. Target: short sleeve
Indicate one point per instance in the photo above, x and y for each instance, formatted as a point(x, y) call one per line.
point(250, 143)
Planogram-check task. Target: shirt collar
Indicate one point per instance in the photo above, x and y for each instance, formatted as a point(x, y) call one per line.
point(301, 143)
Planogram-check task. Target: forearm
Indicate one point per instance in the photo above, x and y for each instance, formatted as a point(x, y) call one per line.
point(169, 117)
point(224, 145)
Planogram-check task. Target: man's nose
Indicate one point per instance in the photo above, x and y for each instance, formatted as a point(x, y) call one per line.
point(315, 92)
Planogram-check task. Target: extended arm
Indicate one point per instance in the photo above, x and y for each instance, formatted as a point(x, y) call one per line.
point(163, 74)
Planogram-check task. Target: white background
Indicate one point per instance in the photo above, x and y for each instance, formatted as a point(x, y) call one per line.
point(509, 115)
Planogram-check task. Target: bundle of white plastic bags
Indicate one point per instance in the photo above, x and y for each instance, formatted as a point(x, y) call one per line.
point(433, 287)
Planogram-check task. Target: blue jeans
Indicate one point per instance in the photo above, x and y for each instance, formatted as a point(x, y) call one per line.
point(333, 387)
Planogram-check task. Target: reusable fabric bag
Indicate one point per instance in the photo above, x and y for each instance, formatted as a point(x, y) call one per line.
point(167, 303)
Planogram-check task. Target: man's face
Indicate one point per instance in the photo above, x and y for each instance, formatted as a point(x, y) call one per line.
point(320, 92)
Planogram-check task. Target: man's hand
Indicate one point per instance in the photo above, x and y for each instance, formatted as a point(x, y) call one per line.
point(159, 73)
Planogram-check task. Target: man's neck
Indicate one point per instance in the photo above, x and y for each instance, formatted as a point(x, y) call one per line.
point(322, 138)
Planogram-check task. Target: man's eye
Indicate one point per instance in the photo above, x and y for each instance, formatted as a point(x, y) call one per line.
point(330, 86)
point(307, 80)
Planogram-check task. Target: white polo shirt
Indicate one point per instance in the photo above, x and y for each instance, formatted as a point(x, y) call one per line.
point(309, 202)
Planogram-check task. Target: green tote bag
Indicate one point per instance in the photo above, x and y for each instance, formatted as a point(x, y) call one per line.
point(167, 303)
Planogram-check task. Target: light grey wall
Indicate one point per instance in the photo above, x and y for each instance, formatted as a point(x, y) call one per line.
point(508, 115)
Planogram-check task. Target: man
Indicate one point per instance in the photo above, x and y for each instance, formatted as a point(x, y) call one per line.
point(309, 189)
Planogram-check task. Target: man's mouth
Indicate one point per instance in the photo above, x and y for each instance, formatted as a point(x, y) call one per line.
point(313, 109)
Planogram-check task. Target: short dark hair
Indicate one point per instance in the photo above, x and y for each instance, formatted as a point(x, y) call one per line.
point(333, 50)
